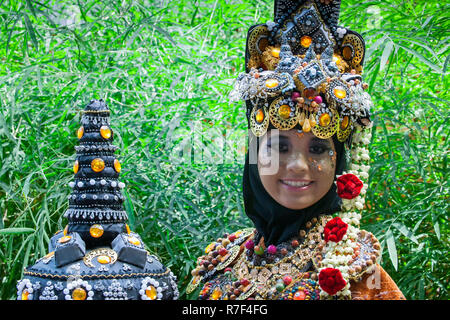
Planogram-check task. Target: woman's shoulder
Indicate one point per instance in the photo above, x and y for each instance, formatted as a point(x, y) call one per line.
point(218, 256)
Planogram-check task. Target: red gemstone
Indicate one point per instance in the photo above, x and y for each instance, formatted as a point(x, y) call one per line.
point(287, 280)
point(245, 282)
point(294, 243)
point(295, 95)
point(232, 237)
point(309, 93)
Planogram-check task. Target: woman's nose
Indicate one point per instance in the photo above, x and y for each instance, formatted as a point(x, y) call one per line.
point(297, 163)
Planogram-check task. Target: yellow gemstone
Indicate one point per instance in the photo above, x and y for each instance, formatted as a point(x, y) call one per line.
point(76, 167)
point(336, 59)
point(65, 230)
point(97, 165)
point(79, 294)
point(284, 111)
point(104, 259)
point(259, 117)
point(209, 247)
point(305, 41)
point(25, 294)
point(134, 240)
point(217, 293)
point(105, 132)
point(306, 126)
point(271, 83)
point(324, 119)
point(127, 228)
point(312, 120)
point(344, 123)
point(50, 254)
point(64, 239)
point(80, 132)
point(302, 118)
point(347, 53)
point(151, 292)
point(96, 231)
point(275, 52)
point(340, 93)
point(117, 165)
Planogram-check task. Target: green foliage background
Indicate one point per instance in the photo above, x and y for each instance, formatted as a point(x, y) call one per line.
point(162, 64)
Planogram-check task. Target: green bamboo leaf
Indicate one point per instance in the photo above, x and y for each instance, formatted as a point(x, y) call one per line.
point(129, 209)
point(386, 54)
point(406, 232)
point(26, 185)
point(430, 64)
point(30, 6)
point(392, 249)
point(437, 229)
point(30, 30)
point(16, 230)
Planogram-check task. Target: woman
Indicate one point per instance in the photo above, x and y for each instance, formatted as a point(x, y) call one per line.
point(309, 120)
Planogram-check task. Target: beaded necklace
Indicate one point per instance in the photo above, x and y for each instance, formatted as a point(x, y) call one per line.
point(291, 260)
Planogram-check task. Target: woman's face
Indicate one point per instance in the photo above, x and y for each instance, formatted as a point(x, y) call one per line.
point(296, 169)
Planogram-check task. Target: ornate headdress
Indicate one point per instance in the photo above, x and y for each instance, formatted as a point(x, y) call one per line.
point(97, 256)
point(303, 71)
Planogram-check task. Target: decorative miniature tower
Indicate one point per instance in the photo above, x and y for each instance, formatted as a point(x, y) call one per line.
point(97, 256)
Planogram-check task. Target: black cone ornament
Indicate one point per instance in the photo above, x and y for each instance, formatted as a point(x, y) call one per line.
point(97, 256)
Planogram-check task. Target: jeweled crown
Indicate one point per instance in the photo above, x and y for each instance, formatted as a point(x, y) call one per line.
point(304, 71)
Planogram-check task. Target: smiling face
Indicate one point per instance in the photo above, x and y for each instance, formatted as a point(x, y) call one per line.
point(297, 170)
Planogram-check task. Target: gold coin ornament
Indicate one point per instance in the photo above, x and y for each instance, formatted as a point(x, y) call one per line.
point(259, 121)
point(344, 129)
point(284, 114)
point(327, 123)
point(106, 255)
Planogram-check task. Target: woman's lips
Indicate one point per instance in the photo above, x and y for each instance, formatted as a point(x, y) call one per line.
point(296, 185)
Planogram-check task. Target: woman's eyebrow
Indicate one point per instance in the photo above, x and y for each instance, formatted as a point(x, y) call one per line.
point(315, 139)
point(280, 137)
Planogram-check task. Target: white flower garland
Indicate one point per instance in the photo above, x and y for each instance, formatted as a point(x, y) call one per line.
point(338, 255)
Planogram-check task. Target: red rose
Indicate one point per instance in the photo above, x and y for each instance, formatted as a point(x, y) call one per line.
point(348, 186)
point(335, 229)
point(331, 281)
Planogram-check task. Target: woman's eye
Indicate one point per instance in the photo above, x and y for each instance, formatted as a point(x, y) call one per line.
point(281, 147)
point(317, 149)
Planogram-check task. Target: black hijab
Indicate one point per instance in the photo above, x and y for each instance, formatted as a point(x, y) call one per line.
point(275, 222)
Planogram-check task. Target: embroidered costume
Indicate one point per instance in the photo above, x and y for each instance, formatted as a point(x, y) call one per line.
point(303, 72)
point(97, 256)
